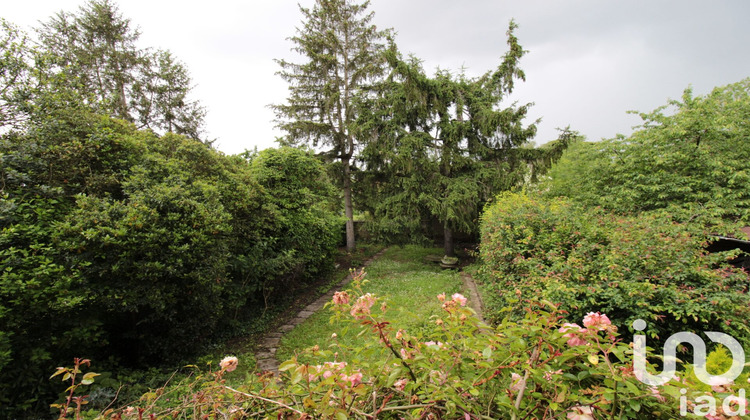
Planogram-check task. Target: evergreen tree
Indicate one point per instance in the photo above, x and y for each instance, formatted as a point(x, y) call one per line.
point(161, 97)
point(444, 146)
point(15, 74)
point(343, 52)
point(96, 54)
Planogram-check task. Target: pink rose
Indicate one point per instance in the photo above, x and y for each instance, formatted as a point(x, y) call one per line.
point(596, 320)
point(229, 363)
point(515, 384)
point(361, 307)
point(355, 378)
point(458, 297)
point(573, 339)
point(340, 298)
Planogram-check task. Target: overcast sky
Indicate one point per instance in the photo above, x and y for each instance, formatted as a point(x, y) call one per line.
point(589, 61)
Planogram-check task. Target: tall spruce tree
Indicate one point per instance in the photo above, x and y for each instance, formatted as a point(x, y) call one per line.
point(16, 80)
point(343, 56)
point(443, 146)
point(96, 54)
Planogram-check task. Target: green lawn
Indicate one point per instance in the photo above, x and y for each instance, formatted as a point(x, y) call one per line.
point(411, 286)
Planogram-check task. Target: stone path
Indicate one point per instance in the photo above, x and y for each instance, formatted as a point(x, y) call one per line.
point(266, 353)
point(475, 301)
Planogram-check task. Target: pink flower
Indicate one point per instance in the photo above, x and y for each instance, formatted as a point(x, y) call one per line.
point(441, 297)
point(399, 334)
point(355, 378)
point(655, 393)
point(721, 388)
point(581, 413)
point(400, 384)
point(515, 384)
point(229, 363)
point(340, 298)
point(458, 297)
point(361, 307)
point(432, 343)
point(327, 374)
point(596, 320)
point(573, 339)
point(334, 365)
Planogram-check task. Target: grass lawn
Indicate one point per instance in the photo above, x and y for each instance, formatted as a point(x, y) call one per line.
point(411, 286)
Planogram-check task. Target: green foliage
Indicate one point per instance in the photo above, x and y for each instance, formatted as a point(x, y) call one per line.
point(342, 51)
point(94, 54)
point(650, 267)
point(689, 157)
point(300, 229)
point(141, 249)
point(71, 374)
point(444, 145)
point(15, 73)
point(454, 367)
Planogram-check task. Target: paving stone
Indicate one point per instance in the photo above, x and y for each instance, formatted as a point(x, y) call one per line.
point(275, 335)
point(268, 365)
point(265, 355)
point(286, 328)
point(305, 314)
point(270, 342)
point(314, 307)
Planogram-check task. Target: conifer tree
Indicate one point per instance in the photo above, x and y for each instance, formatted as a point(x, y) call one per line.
point(342, 49)
point(444, 146)
point(94, 53)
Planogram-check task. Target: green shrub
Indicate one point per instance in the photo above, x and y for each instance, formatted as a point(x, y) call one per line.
point(689, 156)
point(139, 249)
point(587, 260)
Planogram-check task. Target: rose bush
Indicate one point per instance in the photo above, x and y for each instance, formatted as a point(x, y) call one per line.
point(460, 368)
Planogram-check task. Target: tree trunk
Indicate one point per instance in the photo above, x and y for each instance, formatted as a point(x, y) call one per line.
point(448, 241)
point(348, 208)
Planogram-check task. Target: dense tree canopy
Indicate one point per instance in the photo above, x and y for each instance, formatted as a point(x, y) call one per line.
point(689, 158)
point(121, 239)
point(443, 146)
point(94, 53)
point(121, 244)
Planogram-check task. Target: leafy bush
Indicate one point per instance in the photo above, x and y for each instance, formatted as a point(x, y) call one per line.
point(301, 227)
point(689, 157)
point(140, 249)
point(649, 267)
